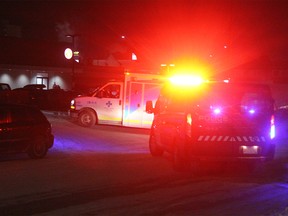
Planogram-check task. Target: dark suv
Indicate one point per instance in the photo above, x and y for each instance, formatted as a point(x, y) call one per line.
point(213, 122)
point(24, 129)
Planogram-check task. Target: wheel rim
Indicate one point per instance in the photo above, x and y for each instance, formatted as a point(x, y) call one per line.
point(86, 119)
point(38, 149)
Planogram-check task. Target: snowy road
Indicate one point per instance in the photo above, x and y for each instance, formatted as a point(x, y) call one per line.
point(107, 170)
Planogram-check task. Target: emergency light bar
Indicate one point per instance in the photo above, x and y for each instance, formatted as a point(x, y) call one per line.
point(186, 80)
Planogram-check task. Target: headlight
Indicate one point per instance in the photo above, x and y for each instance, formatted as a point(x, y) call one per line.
point(72, 104)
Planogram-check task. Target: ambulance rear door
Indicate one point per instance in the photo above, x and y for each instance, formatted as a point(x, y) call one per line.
point(137, 95)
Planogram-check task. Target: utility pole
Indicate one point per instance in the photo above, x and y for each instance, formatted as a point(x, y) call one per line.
point(73, 36)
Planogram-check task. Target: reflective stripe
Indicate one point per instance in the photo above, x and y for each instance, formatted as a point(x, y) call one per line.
point(219, 138)
point(215, 138)
point(200, 138)
point(226, 138)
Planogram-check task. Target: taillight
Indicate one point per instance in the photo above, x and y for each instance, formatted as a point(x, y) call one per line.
point(272, 127)
point(188, 124)
point(189, 119)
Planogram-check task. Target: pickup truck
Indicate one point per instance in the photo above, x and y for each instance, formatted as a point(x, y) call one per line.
point(217, 122)
point(7, 95)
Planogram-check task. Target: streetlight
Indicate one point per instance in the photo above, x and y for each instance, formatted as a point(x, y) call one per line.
point(70, 54)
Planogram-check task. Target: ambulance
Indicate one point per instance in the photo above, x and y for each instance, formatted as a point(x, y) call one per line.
point(119, 102)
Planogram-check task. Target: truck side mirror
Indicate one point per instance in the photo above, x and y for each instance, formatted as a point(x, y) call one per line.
point(149, 107)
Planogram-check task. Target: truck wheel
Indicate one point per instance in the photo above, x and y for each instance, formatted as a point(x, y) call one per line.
point(155, 150)
point(180, 158)
point(87, 118)
point(38, 148)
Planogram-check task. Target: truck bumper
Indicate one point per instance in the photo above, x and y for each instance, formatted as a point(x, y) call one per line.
point(73, 113)
point(265, 153)
point(231, 159)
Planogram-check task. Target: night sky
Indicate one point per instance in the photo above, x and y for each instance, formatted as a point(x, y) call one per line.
point(224, 33)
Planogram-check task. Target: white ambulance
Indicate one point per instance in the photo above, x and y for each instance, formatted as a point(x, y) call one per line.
point(119, 103)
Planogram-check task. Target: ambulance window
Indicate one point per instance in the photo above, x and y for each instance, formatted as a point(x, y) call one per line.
point(110, 91)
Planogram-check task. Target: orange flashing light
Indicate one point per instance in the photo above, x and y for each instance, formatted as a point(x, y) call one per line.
point(186, 80)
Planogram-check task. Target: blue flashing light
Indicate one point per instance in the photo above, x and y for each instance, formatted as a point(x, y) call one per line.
point(251, 111)
point(217, 111)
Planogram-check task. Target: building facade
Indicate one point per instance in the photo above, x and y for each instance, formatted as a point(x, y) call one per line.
point(19, 76)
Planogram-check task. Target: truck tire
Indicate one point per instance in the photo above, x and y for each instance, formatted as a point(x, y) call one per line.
point(181, 160)
point(155, 150)
point(87, 118)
